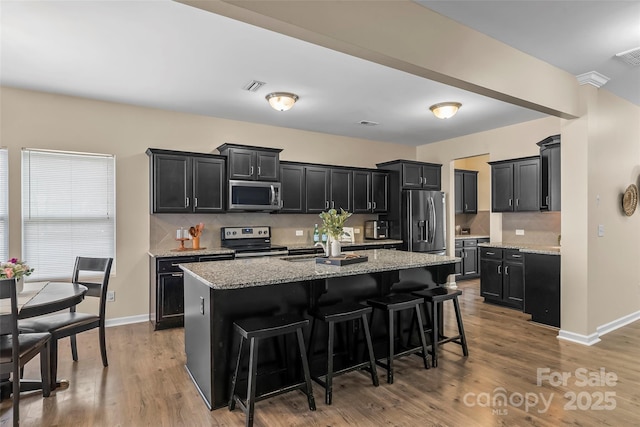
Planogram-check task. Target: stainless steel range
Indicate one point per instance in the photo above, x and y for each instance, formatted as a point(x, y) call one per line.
point(250, 241)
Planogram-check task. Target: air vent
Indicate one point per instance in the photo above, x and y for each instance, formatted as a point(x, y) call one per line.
point(253, 85)
point(368, 123)
point(631, 57)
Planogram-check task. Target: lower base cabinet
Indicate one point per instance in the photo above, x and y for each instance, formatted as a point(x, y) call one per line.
point(166, 290)
point(502, 277)
point(542, 288)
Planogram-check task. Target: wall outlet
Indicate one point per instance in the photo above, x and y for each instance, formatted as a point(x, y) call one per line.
point(519, 232)
point(111, 296)
point(356, 231)
point(299, 233)
point(600, 230)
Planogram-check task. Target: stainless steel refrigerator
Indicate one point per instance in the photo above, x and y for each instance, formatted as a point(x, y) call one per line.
point(424, 221)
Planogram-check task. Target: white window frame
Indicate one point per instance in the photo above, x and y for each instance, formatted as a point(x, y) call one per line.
point(74, 217)
point(4, 204)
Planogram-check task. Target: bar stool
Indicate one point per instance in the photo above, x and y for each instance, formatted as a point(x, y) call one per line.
point(254, 330)
point(393, 304)
point(435, 297)
point(339, 313)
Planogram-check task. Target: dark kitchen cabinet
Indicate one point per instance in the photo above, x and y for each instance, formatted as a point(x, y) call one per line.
point(542, 288)
point(467, 250)
point(293, 187)
point(550, 173)
point(370, 191)
point(328, 188)
point(515, 185)
point(182, 182)
point(416, 175)
point(466, 188)
point(502, 276)
point(166, 290)
point(248, 163)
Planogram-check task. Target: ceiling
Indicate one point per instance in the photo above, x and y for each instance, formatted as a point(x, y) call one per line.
point(167, 55)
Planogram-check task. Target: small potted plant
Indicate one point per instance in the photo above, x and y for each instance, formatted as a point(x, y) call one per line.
point(332, 225)
point(15, 269)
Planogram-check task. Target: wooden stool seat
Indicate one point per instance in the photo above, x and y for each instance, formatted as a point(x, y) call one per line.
point(338, 313)
point(253, 330)
point(393, 304)
point(435, 297)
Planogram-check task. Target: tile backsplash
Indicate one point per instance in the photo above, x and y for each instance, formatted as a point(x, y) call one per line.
point(283, 227)
point(479, 223)
point(540, 228)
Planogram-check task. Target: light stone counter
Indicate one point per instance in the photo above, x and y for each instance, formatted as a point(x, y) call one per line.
point(165, 253)
point(525, 248)
point(246, 273)
point(470, 236)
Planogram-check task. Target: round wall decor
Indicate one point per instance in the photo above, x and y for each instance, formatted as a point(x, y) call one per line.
point(630, 200)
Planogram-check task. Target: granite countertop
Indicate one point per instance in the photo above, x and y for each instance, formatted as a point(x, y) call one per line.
point(346, 244)
point(250, 272)
point(471, 236)
point(524, 247)
point(165, 253)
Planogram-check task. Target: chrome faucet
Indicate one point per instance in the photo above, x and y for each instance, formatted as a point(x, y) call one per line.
point(325, 247)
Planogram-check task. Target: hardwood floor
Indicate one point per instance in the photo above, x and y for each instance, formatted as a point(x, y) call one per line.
point(146, 383)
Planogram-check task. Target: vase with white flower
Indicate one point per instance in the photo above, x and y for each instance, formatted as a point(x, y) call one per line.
point(333, 225)
point(14, 268)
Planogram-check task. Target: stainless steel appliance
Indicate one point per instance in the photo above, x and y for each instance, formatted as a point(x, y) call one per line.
point(250, 241)
point(254, 196)
point(376, 230)
point(424, 222)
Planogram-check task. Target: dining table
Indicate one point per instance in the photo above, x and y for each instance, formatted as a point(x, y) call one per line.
point(37, 299)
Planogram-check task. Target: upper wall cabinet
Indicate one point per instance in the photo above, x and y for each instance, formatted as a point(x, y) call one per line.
point(252, 163)
point(185, 182)
point(328, 188)
point(466, 188)
point(416, 174)
point(370, 191)
point(550, 173)
point(515, 185)
point(293, 187)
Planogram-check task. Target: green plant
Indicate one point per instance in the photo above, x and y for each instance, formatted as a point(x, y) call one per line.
point(333, 222)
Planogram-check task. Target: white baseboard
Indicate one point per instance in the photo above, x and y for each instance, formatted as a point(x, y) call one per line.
point(594, 338)
point(127, 320)
point(579, 338)
point(618, 323)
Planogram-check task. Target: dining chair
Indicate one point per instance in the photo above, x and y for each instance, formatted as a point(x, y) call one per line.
point(17, 349)
point(68, 324)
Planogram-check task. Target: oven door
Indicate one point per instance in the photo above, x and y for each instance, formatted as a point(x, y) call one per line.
point(254, 195)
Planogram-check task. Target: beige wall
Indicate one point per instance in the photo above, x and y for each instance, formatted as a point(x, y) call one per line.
point(40, 120)
point(480, 164)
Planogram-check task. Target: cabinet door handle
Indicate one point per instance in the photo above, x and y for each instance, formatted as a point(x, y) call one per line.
point(374, 205)
point(333, 204)
point(258, 170)
point(499, 269)
point(420, 180)
point(510, 202)
point(195, 202)
point(251, 170)
point(368, 205)
point(506, 270)
point(466, 206)
point(326, 204)
point(187, 201)
point(490, 253)
point(176, 275)
point(546, 200)
point(516, 256)
point(175, 265)
point(517, 202)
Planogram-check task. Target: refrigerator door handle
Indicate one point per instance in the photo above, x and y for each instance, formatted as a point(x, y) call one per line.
point(432, 220)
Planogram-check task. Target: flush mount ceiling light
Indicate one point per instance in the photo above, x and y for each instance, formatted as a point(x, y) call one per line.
point(282, 101)
point(445, 110)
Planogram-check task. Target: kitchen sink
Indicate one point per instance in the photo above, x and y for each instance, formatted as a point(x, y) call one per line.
point(299, 258)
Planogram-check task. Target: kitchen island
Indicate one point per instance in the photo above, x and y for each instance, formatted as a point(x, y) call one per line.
point(218, 293)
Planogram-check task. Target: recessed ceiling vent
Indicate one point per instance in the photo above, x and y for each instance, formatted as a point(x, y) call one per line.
point(368, 123)
point(253, 85)
point(631, 57)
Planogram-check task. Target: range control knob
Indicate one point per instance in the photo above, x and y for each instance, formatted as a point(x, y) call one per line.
point(234, 233)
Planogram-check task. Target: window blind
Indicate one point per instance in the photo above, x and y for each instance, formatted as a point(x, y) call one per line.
point(4, 205)
point(68, 210)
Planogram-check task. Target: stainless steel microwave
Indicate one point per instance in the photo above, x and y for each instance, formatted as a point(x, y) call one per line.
point(254, 196)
